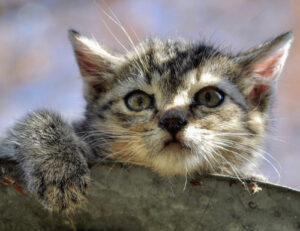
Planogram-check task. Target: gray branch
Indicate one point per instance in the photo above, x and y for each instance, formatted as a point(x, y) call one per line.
point(134, 198)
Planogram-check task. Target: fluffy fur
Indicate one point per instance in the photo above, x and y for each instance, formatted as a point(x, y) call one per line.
point(224, 139)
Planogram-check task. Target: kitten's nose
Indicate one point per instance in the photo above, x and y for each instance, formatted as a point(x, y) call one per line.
point(173, 120)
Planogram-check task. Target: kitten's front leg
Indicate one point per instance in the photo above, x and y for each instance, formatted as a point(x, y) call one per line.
point(52, 159)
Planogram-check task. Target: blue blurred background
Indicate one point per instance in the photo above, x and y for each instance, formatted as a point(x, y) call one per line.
point(38, 70)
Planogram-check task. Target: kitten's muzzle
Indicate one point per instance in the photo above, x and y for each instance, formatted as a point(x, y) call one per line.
point(173, 121)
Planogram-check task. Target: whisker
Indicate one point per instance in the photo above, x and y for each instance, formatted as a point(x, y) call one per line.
point(115, 20)
point(256, 150)
point(247, 151)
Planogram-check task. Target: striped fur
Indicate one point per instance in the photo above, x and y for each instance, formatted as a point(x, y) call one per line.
point(226, 139)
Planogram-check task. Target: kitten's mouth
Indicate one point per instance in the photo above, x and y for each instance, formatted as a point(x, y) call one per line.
point(175, 144)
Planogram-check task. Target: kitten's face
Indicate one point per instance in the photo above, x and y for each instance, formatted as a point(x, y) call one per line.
point(179, 108)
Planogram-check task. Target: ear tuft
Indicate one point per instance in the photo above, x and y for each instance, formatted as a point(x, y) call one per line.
point(73, 32)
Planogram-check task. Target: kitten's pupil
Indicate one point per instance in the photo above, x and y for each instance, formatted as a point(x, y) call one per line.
point(140, 101)
point(207, 97)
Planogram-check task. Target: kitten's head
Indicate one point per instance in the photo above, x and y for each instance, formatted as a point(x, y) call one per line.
point(180, 107)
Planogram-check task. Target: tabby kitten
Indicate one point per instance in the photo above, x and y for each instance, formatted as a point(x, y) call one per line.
point(175, 107)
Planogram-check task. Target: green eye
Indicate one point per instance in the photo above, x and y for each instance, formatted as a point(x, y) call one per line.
point(138, 101)
point(209, 97)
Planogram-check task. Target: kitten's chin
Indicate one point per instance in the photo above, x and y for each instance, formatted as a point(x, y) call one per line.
point(171, 163)
point(172, 160)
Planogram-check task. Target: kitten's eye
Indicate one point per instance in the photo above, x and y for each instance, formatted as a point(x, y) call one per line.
point(209, 97)
point(138, 101)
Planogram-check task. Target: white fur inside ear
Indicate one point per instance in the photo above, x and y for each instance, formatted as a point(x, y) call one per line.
point(263, 65)
point(90, 45)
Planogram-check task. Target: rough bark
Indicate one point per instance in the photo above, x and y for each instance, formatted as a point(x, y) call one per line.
point(134, 198)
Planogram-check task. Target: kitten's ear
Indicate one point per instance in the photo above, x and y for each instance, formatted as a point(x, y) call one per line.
point(92, 59)
point(263, 65)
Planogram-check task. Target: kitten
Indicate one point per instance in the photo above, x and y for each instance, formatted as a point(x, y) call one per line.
point(175, 107)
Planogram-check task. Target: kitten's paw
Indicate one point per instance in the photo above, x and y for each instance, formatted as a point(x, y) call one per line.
point(62, 190)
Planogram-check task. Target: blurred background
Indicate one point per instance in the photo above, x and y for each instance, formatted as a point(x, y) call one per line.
point(38, 69)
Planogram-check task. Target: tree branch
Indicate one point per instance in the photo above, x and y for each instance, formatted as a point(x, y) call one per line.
point(134, 198)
